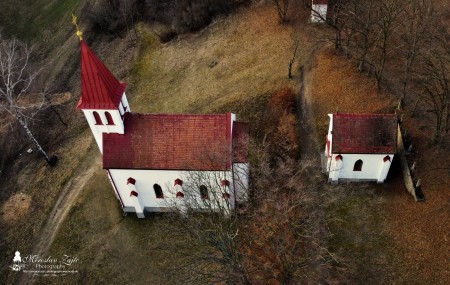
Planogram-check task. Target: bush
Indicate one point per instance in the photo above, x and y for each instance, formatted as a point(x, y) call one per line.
point(179, 16)
point(113, 16)
point(283, 100)
point(10, 139)
point(191, 16)
point(281, 126)
point(183, 16)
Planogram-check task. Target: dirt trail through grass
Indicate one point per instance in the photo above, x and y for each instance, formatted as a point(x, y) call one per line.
point(306, 128)
point(309, 152)
point(66, 200)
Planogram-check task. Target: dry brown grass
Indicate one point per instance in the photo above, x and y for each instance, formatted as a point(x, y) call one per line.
point(16, 207)
point(236, 58)
point(421, 231)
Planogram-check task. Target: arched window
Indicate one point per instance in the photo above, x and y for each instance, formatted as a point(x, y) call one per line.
point(387, 158)
point(98, 121)
point(158, 191)
point(109, 118)
point(358, 165)
point(204, 192)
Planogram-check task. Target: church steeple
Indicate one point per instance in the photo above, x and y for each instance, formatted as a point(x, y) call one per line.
point(99, 88)
point(103, 98)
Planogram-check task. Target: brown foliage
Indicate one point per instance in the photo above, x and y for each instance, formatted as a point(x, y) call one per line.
point(281, 124)
point(283, 101)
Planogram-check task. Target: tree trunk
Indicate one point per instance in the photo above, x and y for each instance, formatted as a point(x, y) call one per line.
point(33, 139)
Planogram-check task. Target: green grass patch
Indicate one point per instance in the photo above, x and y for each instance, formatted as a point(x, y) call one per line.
point(355, 218)
point(29, 20)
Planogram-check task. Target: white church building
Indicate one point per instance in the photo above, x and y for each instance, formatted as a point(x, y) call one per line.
point(360, 147)
point(163, 162)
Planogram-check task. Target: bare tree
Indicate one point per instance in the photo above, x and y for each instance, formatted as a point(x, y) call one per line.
point(336, 19)
point(433, 80)
point(16, 82)
point(418, 19)
point(205, 213)
point(277, 222)
point(295, 43)
point(282, 9)
point(361, 17)
point(389, 12)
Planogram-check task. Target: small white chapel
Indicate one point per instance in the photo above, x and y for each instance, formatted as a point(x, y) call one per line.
point(360, 147)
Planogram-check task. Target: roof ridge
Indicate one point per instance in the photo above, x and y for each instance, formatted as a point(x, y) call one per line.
point(365, 114)
point(179, 114)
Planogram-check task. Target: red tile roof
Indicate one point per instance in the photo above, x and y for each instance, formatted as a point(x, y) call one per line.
point(172, 142)
point(364, 133)
point(99, 88)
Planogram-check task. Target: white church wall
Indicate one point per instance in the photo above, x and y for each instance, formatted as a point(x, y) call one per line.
point(98, 130)
point(371, 168)
point(145, 179)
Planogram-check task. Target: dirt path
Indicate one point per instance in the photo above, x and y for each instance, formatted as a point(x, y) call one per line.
point(64, 204)
point(306, 127)
point(310, 153)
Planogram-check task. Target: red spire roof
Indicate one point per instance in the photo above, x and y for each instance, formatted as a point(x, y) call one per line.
point(99, 88)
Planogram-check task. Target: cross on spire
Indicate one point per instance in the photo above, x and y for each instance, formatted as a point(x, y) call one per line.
point(79, 33)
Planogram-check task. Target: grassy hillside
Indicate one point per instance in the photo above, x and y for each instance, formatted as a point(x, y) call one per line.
point(233, 59)
point(235, 64)
point(43, 18)
point(172, 78)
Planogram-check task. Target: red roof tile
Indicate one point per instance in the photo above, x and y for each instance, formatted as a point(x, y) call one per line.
point(99, 88)
point(240, 142)
point(171, 142)
point(364, 133)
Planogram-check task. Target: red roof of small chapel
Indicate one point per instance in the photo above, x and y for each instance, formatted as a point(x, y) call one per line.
point(176, 142)
point(364, 133)
point(99, 88)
